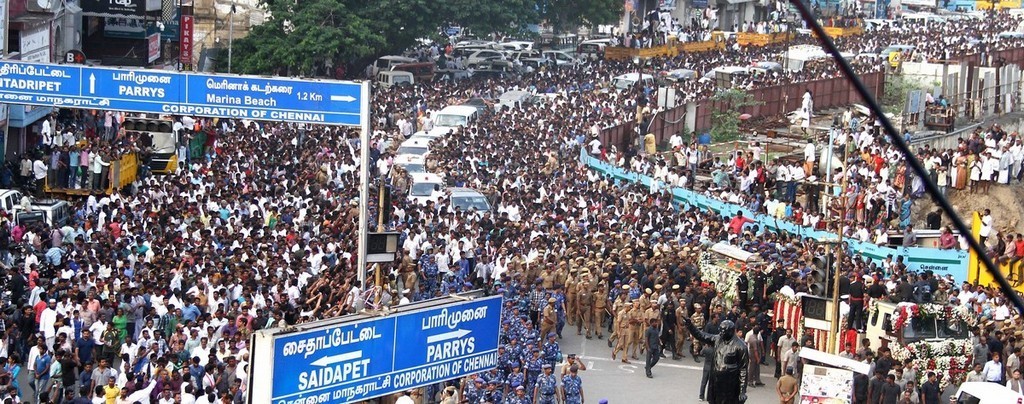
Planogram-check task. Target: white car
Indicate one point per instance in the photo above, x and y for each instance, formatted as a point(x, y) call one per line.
point(425, 187)
point(468, 199)
point(560, 58)
point(454, 116)
point(986, 393)
point(515, 98)
point(412, 163)
point(483, 56)
point(417, 147)
point(435, 133)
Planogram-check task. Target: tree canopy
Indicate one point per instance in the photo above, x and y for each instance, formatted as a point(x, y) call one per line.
point(305, 37)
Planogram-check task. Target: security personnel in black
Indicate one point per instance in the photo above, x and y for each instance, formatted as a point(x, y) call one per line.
point(708, 352)
point(857, 303)
point(757, 292)
point(743, 286)
point(877, 290)
point(844, 285)
point(668, 325)
point(652, 337)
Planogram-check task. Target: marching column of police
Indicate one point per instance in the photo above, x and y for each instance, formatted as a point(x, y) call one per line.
point(640, 321)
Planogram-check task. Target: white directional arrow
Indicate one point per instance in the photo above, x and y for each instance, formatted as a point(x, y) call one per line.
point(447, 336)
point(330, 360)
point(92, 84)
point(343, 98)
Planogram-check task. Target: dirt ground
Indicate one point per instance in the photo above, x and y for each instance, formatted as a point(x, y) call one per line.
point(1005, 201)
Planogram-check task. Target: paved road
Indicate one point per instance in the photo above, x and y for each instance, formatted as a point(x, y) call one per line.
point(673, 382)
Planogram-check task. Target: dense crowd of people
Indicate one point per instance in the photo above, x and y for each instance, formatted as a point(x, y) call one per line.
point(150, 294)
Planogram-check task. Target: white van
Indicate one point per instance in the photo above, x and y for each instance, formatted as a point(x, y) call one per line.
point(730, 71)
point(385, 63)
point(592, 49)
point(455, 116)
point(986, 393)
point(425, 187)
point(394, 77)
point(53, 212)
point(515, 98)
point(923, 18)
point(11, 198)
point(629, 80)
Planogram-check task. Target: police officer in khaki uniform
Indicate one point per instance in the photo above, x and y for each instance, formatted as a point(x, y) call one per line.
point(584, 302)
point(618, 306)
point(636, 329)
point(681, 332)
point(571, 311)
point(623, 330)
point(548, 278)
point(549, 318)
point(407, 271)
point(645, 299)
point(600, 309)
point(562, 273)
point(698, 322)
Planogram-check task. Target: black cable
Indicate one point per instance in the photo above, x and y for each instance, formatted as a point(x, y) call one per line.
point(898, 141)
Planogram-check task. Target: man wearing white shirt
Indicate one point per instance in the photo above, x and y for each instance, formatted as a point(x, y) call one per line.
point(675, 141)
point(595, 146)
point(808, 157)
point(202, 351)
point(782, 178)
point(142, 395)
point(993, 371)
point(47, 322)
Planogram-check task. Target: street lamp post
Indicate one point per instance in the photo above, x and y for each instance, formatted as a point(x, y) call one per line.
point(231, 33)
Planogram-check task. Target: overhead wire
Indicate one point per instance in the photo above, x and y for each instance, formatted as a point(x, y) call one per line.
point(901, 144)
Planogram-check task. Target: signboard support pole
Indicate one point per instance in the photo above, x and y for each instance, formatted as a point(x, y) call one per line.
point(364, 181)
point(5, 112)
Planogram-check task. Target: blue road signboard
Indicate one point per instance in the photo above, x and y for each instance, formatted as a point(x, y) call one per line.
point(160, 92)
point(345, 362)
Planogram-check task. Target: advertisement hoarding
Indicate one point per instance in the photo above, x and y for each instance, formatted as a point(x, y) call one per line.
point(153, 45)
point(826, 385)
point(111, 7)
point(187, 27)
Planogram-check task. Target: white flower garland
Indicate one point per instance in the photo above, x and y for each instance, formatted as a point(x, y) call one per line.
point(950, 360)
point(725, 279)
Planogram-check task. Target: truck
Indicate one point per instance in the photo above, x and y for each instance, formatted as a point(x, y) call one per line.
point(722, 264)
point(935, 337)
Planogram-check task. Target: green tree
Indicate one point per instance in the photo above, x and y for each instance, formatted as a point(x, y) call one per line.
point(302, 36)
point(725, 120)
point(500, 16)
point(896, 92)
point(564, 15)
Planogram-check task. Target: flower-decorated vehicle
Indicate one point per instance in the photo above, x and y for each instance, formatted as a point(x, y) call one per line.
point(934, 336)
point(722, 264)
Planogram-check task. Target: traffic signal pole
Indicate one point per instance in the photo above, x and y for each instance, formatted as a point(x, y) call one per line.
point(380, 228)
point(833, 340)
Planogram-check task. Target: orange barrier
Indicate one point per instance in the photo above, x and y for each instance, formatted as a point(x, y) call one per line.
point(752, 39)
point(837, 32)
